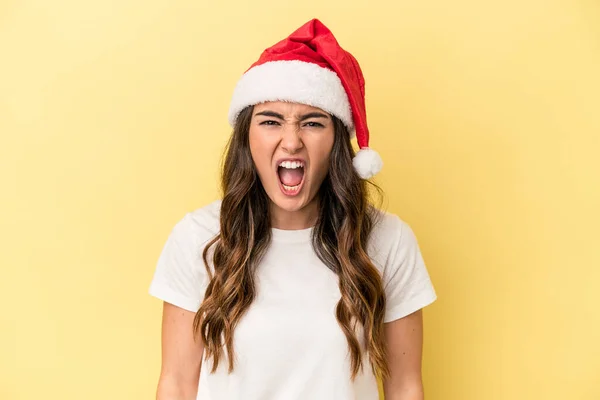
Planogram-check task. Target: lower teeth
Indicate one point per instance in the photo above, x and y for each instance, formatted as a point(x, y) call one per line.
point(290, 187)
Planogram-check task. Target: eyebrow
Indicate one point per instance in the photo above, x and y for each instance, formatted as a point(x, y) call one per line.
point(274, 114)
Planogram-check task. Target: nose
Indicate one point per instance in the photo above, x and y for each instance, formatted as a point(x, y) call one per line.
point(291, 141)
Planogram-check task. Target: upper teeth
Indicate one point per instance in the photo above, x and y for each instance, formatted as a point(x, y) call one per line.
point(292, 164)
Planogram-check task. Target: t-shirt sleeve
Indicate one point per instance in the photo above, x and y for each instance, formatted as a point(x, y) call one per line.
point(407, 283)
point(180, 276)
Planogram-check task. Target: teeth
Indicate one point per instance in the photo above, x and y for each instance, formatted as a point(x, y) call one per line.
point(292, 164)
point(290, 188)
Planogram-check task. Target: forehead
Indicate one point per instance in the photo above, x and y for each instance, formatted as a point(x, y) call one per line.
point(287, 108)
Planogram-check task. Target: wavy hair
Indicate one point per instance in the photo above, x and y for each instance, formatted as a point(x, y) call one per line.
point(340, 237)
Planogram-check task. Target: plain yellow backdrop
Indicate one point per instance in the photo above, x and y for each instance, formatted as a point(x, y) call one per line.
point(486, 113)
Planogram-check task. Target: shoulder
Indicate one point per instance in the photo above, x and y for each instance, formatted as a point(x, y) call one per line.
point(394, 250)
point(198, 226)
point(388, 228)
point(205, 219)
point(180, 276)
point(391, 236)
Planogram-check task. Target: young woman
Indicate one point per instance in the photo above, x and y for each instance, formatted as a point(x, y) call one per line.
point(293, 286)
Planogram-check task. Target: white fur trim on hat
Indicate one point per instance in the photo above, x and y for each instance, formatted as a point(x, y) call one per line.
point(293, 81)
point(367, 163)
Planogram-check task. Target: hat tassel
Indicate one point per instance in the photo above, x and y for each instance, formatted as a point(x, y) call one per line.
point(367, 163)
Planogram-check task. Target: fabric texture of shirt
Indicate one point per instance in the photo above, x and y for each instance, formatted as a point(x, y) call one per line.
point(289, 345)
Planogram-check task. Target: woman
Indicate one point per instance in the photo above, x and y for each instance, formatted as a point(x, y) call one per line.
point(293, 286)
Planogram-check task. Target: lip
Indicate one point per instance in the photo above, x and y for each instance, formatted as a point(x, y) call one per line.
point(300, 185)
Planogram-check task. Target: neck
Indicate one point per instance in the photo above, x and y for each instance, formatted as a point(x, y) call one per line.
point(304, 218)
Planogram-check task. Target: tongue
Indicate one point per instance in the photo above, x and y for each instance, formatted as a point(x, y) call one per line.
point(290, 177)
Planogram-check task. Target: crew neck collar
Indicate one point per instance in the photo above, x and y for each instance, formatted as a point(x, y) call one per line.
point(292, 235)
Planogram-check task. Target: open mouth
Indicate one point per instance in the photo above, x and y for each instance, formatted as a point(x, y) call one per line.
point(291, 176)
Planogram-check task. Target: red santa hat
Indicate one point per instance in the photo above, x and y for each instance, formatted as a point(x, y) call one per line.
point(310, 67)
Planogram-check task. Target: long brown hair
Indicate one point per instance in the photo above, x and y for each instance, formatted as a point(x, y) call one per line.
point(340, 239)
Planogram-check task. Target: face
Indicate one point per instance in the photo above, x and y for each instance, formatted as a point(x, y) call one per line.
point(290, 145)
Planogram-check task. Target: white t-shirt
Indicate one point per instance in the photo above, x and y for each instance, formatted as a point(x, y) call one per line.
point(289, 346)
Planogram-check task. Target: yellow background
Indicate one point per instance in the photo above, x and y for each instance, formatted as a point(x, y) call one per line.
point(113, 119)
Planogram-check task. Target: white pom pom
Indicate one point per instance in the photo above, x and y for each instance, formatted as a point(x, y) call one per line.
point(367, 163)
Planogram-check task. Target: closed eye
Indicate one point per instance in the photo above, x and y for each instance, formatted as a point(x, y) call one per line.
point(313, 124)
point(269, 122)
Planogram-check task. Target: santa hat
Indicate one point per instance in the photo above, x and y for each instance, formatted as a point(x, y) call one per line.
point(310, 67)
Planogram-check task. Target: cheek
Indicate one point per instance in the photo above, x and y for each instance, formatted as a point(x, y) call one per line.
point(323, 166)
point(320, 156)
point(261, 151)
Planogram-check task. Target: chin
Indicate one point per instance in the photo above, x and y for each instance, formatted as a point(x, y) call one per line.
point(290, 204)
